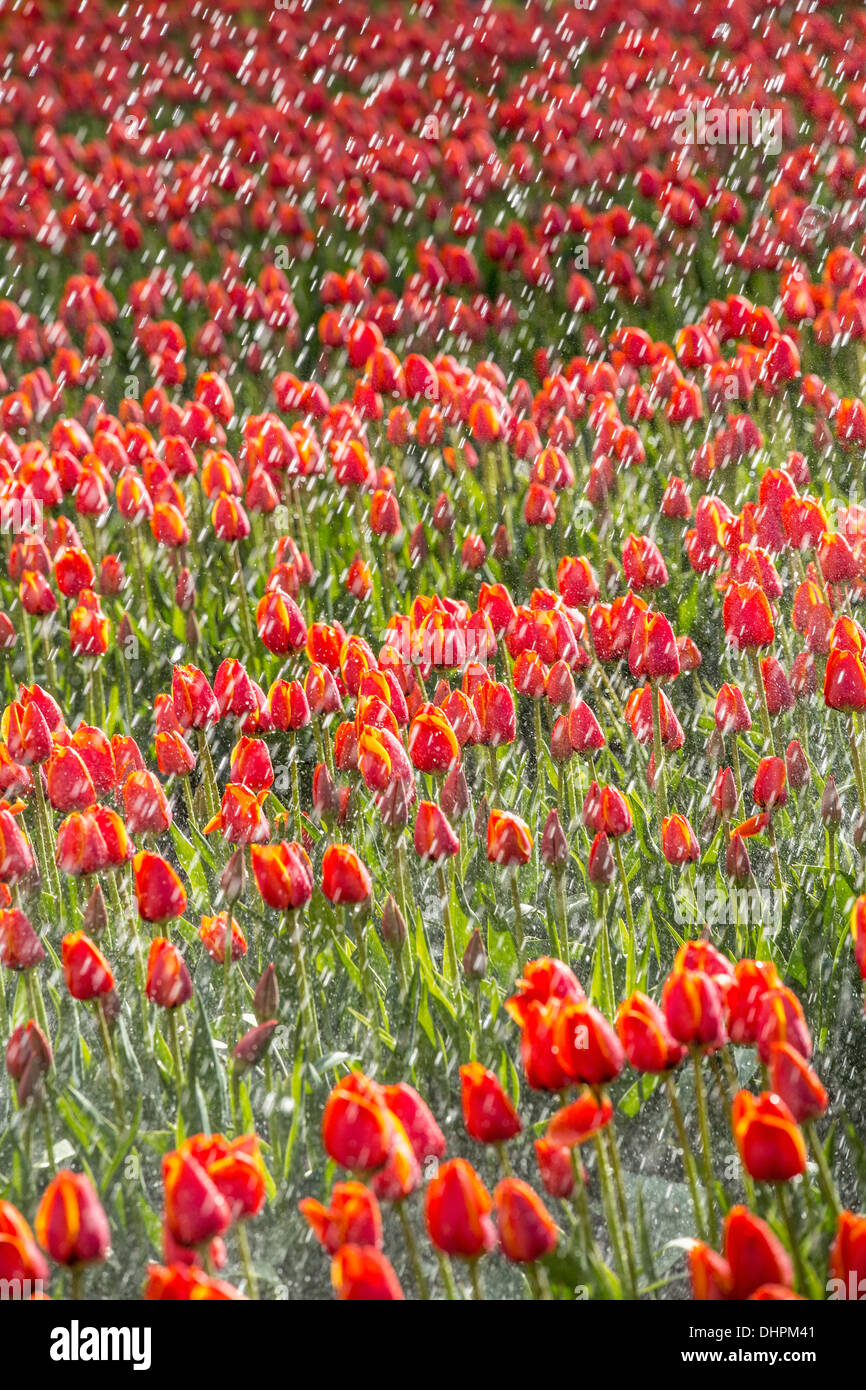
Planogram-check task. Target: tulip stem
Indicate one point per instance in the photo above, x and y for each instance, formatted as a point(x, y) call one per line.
point(190, 804)
point(610, 1212)
point(703, 1119)
point(447, 1273)
point(777, 867)
point(76, 1280)
point(116, 1092)
point(562, 947)
point(296, 788)
point(309, 1019)
point(855, 758)
point(619, 1187)
point(762, 699)
point(606, 959)
point(211, 794)
point(582, 1208)
point(475, 1276)
point(659, 780)
point(177, 1063)
point(738, 776)
point(825, 1177)
point(243, 602)
point(412, 1248)
point(793, 1240)
point(688, 1156)
point(271, 1102)
point(494, 772)
point(52, 873)
point(246, 1260)
point(631, 968)
point(450, 954)
point(519, 938)
point(368, 990)
point(28, 646)
point(536, 1277)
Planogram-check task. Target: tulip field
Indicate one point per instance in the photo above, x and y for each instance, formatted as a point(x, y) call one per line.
point(433, 640)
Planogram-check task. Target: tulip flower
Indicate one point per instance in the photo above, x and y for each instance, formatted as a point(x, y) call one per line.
point(70, 1224)
point(168, 980)
point(527, 1231)
point(767, 1136)
point(352, 1218)
point(20, 1257)
point(345, 879)
point(679, 845)
point(195, 1209)
point(357, 1129)
point(20, 947)
point(488, 1114)
point(240, 819)
point(847, 1258)
point(159, 893)
point(362, 1274)
point(283, 874)
point(457, 1210)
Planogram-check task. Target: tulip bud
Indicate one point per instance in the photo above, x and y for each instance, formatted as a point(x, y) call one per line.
point(501, 547)
point(418, 549)
point(796, 765)
point(554, 846)
point(475, 957)
point(184, 594)
point(254, 1044)
point(393, 805)
point(234, 877)
point(95, 913)
point(725, 793)
point(860, 833)
point(266, 998)
point(482, 816)
point(326, 801)
point(715, 748)
point(831, 806)
point(28, 1057)
point(193, 631)
point(454, 797)
point(443, 515)
point(738, 866)
point(600, 866)
point(124, 632)
point(393, 925)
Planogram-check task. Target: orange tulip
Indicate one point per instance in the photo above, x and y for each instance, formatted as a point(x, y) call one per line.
point(283, 874)
point(216, 931)
point(168, 981)
point(457, 1210)
point(769, 1142)
point(509, 841)
point(71, 1225)
point(527, 1232)
point(345, 879)
point(488, 1114)
point(352, 1218)
point(88, 974)
point(159, 892)
point(362, 1274)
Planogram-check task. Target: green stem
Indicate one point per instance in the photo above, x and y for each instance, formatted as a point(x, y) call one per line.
point(703, 1118)
point(688, 1155)
point(412, 1248)
point(762, 698)
point(631, 967)
point(305, 993)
